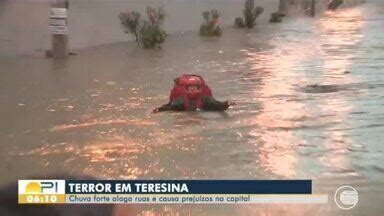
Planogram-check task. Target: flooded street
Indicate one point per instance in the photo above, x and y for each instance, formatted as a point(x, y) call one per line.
point(310, 94)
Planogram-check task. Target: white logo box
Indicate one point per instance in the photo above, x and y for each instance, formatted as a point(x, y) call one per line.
point(55, 186)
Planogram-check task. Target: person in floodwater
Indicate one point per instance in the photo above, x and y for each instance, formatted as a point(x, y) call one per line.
point(191, 93)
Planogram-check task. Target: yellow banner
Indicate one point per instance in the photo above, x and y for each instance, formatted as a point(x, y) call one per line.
point(42, 198)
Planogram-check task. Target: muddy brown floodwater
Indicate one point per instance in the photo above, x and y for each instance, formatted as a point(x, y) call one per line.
point(310, 96)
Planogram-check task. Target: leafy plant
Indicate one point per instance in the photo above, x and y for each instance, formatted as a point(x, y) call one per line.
point(276, 17)
point(148, 34)
point(239, 22)
point(156, 17)
point(210, 27)
point(334, 4)
point(130, 21)
point(250, 15)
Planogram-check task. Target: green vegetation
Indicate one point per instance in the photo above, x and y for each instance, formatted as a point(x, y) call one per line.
point(130, 21)
point(210, 26)
point(148, 33)
point(334, 4)
point(276, 17)
point(250, 15)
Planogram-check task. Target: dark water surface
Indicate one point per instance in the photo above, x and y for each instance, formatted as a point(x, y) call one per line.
point(310, 95)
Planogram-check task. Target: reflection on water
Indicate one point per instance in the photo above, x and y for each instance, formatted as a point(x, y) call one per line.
point(276, 91)
point(340, 33)
point(308, 92)
point(98, 123)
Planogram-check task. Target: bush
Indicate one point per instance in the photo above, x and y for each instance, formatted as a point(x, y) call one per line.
point(210, 26)
point(334, 4)
point(276, 17)
point(130, 21)
point(250, 15)
point(148, 34)
point(239, 22)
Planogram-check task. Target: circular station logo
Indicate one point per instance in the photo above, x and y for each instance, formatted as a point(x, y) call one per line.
point(346, 197)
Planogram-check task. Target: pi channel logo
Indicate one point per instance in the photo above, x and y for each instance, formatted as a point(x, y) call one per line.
point(346, 197)
point(41, 186)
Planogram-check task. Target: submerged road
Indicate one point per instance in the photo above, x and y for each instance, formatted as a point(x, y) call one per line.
point(310, 94)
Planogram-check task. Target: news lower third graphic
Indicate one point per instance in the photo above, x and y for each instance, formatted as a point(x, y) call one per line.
point(167, 192)
point(41, 191)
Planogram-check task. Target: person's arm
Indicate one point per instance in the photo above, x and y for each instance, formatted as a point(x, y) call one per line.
point(211, 104)
point(165, 107)
point(176, 105)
